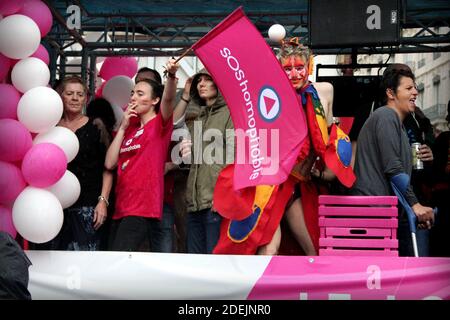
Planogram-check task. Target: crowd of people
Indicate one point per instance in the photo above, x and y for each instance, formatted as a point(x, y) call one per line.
point(136, 196)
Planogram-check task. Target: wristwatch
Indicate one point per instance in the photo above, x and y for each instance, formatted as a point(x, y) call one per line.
point(102, 198)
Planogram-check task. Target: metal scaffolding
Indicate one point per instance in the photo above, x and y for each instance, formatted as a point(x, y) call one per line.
point(161, 28)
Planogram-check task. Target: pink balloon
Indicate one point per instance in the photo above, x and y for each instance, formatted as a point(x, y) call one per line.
point(44, 164)
point(8, 7)
point(10, 99)
point(42, 53)
point(15, 140)
point(99, 92)
point(18, 164)
point(6, 223)
point(12, 182)
point(5, 65)
point(40, 13)
point(118, 66)
point(13, 62)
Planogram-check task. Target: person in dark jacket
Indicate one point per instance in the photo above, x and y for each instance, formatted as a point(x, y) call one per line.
point(13, 270)
point(384, 151)
point(440, 235)
point(209, 158)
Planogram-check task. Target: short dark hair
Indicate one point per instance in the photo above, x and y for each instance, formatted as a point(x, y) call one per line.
point(392, 76)
point(155, 73)
point(61, 86)
point(397, 66)
point(157, 91)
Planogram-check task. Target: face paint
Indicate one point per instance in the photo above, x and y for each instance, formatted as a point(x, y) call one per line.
point(296, 71)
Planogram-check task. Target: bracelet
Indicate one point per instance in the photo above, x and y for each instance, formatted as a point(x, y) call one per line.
point(185, 100)
point(102, 198)
point(171, 75)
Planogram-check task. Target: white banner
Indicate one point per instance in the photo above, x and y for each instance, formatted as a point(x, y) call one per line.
point(133, 275)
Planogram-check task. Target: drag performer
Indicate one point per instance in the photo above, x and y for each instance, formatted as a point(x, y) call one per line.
point(260, 232)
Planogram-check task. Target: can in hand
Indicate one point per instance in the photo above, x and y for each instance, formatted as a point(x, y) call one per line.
point(417, 163)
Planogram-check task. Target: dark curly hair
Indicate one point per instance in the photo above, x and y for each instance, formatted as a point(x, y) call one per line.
point(101, 108)
point(392, 76)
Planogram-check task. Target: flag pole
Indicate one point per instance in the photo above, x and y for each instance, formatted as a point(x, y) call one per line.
point(183, 55)
point(179, 58)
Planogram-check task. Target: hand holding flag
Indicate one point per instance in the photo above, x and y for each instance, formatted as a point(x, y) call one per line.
point(269, 121)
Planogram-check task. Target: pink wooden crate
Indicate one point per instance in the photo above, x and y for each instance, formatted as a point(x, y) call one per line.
point(358, 225)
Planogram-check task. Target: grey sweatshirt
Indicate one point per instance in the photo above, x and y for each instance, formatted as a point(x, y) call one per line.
point(383, 151)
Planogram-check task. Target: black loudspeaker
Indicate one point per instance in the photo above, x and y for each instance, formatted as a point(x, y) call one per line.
point(354, 96)
point(350, 93)
point(350, 23)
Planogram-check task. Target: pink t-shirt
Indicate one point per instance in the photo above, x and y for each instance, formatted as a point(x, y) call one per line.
point(140, 171)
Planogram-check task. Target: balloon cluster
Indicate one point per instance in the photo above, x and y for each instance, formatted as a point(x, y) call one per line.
point(117, 73)
point(35, 185)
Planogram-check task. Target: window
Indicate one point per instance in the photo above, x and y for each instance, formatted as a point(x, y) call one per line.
point(421, 63)
point(411, 64)
point(436, 92)
point(420, 89)
point(436, 55)
point(436, 79)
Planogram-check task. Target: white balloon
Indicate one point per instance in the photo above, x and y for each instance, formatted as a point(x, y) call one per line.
point(118, 114)
point(63, 138)
point(30, 73)
point(37, 215)
point(39, 109)
point(19, 36)
point(98, 82)
point(277, 32)
point(67, 189)
point(117, 90)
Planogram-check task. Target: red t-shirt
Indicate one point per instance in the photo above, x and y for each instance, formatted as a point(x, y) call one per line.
point(169, 184)
point(140, 169)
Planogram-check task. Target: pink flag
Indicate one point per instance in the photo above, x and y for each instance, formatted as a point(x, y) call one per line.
point(267, 114)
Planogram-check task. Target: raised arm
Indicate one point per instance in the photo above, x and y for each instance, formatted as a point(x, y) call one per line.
point(168, 98)
point(326, 94)
point(180, 109)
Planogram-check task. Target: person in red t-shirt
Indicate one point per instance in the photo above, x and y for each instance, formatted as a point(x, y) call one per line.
point(139, 151)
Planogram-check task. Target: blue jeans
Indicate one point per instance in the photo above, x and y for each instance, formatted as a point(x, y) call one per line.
point(203, 230)
point(162, 231)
